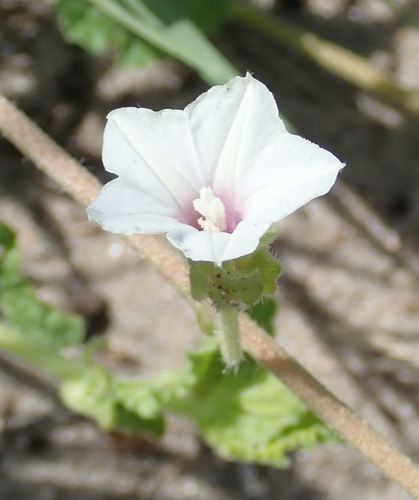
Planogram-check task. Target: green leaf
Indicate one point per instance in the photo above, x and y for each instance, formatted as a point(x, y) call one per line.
point(91, 395)
point(130, 422)
point(96, 32)
point(107, 400)
point(249, 416)
point(108, 23)
point(21, 308)
point(137, 408)
point(264, 313)
point(7, 237)
point(44, 357)
point(138, 397)
point(206, 15)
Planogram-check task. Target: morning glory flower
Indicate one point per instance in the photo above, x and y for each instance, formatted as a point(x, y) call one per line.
point(213, 177)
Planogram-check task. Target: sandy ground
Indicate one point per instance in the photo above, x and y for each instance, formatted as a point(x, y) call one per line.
point(349, 302)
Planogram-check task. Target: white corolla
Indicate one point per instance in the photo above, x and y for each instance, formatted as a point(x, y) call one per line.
point(214, 176)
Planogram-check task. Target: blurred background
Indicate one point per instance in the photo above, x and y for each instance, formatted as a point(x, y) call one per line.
point(349, 302)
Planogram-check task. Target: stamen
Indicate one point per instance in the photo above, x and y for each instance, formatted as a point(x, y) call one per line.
point(213, 210)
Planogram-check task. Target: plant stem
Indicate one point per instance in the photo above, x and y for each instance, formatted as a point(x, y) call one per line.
point(328, 407)
point(81, 185)
point(46, 154)
point(340, 61)
point(56, 163)
point(228, 336)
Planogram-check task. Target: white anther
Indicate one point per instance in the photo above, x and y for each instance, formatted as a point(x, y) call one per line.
point(213, 211)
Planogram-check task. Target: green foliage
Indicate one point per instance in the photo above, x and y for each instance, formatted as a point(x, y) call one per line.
point(249, 416)
point(242, 281)
point(264, 313)
point(206, 15)
point(21, 308)
point(97, 395)
point(142, 31)
point(90, 395)
point(225, 285)
point(90, 28)
point(268, 266)
point(7, 238)
point(246, 415)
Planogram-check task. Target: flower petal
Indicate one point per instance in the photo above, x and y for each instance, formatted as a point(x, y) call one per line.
point(230, 140)
point(229, 123)
point(149, 148)
point(124, 208)
point(217, 247)
point(294, 172)
point(199, 245)
point(245, 238)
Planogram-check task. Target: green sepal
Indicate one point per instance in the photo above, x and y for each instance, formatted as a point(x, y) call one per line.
point(268, 266)
point(241, 281)
point(225, 285)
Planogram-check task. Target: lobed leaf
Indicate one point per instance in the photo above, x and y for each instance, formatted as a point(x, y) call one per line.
point(248, 416)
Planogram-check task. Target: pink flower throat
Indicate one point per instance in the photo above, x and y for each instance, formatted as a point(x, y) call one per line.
point(211, 214)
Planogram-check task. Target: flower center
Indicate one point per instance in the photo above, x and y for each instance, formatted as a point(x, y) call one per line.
point(213, 211)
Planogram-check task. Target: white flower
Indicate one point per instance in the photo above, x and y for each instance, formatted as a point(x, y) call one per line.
point(214, 176)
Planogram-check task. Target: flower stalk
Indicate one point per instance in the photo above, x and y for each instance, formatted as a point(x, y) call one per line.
point(227, 334)
point(78, 182)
